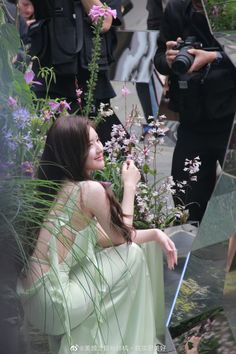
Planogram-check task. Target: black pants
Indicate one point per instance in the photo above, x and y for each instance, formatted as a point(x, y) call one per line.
point(210, 147)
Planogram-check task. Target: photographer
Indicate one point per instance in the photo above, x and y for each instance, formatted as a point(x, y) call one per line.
point(202, 89)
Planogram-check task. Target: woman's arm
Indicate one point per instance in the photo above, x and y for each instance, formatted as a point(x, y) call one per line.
point(97, 204)
point(130, 178)
point(168, 246)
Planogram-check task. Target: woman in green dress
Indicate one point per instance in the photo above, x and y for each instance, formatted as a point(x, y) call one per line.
point(87, 284)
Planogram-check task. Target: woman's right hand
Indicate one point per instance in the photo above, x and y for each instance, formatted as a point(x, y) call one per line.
point(130, 174)
point(168, 247)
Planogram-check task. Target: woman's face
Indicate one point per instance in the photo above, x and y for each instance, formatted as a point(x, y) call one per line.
point(26, 9)
point(95, 160)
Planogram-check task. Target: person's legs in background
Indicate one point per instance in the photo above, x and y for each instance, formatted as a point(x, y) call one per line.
point(210, 149)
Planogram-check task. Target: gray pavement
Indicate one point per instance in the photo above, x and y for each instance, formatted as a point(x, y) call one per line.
point(136, 19)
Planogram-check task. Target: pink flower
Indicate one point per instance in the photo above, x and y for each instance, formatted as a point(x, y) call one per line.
point(54, 105)
point(64, 105)
point(125, 91)
point(59, 106)
point(79, 93)
point(29, 77)
point(12, 102)
point(98, 11)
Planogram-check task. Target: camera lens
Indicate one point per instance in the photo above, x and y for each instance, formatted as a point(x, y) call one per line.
point(183, 61)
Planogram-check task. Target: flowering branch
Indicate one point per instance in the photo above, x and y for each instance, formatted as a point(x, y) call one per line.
point(97, 15)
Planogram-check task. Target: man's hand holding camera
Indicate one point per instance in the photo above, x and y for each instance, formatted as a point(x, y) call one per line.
point(198, 57)
point(201, 58)
point(171, 51)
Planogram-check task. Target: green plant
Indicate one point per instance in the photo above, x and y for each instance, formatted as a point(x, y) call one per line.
point(222, 14)
point(153, 197)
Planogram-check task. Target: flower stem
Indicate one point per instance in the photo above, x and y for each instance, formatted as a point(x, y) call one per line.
point(93, 68)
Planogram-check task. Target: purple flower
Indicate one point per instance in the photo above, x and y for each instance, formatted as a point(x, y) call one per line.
point(54, 105)
point(27, 168)
point(46, 115)
point(21, 116)
point(64, 105)
point(59, 106)
point(98, 11)
point(79, 93)
point(12, 102)
point(29, 77)
point(27, 141)
point(10, 141)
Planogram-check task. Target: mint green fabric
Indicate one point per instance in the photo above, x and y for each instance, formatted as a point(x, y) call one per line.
point(98, 300)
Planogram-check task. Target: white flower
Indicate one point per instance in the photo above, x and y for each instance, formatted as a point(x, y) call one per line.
point(192, 166)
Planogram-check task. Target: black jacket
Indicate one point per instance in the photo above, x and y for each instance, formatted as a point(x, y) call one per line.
point(56, 42)
point(211, 94)
point(155, 13)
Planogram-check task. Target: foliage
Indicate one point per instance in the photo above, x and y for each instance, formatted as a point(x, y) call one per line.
point(93, 68)
point(24, 122)
point(26, 119)
point(214, 330)
point(222, 14)
point(153, 196)
point(186, 302)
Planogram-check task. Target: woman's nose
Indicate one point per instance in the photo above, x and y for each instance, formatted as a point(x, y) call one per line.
point(99, 146)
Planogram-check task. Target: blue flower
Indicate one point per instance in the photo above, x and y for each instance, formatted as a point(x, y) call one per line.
point(27, 140)
point(21, 117)
point(10, 141)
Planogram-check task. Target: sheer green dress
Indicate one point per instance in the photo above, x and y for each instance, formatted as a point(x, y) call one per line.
point(96, 300)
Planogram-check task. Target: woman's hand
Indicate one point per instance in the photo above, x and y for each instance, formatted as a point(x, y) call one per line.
point(130, 174)
point(168, 247)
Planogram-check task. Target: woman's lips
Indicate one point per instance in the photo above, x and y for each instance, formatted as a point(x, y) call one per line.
point(99, 158)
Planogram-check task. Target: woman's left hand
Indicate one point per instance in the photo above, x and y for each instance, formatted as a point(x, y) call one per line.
point(168, 247)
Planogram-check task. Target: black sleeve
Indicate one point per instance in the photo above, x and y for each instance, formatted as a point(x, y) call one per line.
point(164, 35)
point(172, 27)
point(42, 9)
point(155, 13)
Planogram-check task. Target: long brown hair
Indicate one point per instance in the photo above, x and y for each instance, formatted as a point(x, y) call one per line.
point(64, 158)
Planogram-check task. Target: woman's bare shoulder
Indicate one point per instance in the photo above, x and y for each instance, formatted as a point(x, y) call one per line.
point(92, 187)
point(89, 193)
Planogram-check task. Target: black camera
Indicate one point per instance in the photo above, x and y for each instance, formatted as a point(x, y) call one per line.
point(183, 60)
